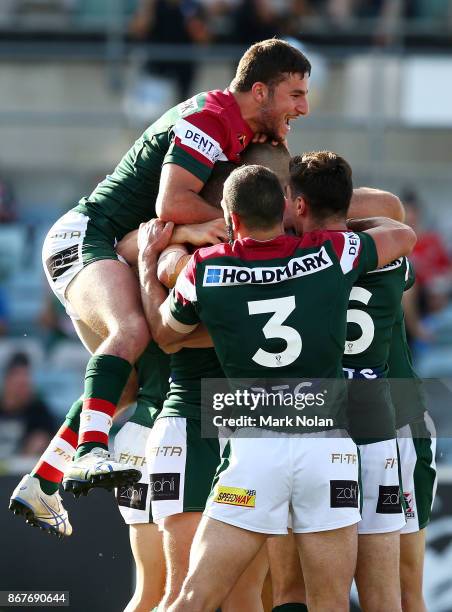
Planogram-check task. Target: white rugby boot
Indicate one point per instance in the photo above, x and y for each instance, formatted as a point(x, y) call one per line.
point(98, 469)
point(39, 509)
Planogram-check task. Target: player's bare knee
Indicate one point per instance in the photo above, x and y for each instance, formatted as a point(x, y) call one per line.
point(129, 338)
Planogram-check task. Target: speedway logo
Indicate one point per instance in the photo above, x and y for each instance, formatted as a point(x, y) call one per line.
point(236, 497)
point(296, 267)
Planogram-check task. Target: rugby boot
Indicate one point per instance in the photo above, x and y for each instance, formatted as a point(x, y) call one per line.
point(39, 509)
point(98, 469)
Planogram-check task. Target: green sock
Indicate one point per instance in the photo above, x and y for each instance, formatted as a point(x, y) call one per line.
point(291, 607)
point(105, 379)
point(72, 418)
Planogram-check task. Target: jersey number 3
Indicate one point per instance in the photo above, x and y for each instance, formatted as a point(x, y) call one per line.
point(282, 308)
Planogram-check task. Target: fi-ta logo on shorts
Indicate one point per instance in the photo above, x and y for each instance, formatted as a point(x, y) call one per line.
point(389, 500)
point(164, 486)
point(343, 494)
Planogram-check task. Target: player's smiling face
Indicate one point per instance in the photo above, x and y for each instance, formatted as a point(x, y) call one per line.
point(284, 103)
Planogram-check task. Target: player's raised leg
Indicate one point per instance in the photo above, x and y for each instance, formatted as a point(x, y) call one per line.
point(36, 497)
point(93, 295)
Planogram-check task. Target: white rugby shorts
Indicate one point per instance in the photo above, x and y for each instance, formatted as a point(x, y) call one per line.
point(382, 509)
point(261, 478)
point(134, 501)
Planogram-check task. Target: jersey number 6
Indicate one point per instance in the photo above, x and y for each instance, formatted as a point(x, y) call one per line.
point(361, 318)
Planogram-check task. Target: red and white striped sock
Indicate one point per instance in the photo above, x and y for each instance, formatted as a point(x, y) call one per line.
point(56, 459)
point(95, 422)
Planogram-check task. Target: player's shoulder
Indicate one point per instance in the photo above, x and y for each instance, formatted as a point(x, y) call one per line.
point(340, 239)
point(207, 103)
point(217, 250)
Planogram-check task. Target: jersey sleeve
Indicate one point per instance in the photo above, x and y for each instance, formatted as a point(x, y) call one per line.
point(410, 275)
point(356, 252)
point(180, 312)
point(199, 140)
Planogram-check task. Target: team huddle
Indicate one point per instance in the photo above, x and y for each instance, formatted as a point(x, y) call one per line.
point(211, 254)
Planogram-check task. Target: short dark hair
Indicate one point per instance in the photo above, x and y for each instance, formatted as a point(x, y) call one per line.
point(274, 157)
point(324, 179)
point(212, 191)
point(269, 62)
point(255, 194)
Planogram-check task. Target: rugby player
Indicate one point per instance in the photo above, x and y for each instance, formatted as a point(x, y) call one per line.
point(134, 501)
point(417, 444)
point(325, 535)
point(374, 302)
point(162, 173)
point(36, 497)
point(175, 446)
point(417, 447)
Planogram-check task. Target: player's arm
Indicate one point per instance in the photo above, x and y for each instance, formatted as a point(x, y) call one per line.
point(392, 239)
point(368, 202)
point(178, 198)
point(153, 238)
point(199, 338)
point(170, 264)
point(197, 234)
point(198, 142)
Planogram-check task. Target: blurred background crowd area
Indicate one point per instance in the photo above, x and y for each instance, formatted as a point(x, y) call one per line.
point(234, 21)
point(80, 79)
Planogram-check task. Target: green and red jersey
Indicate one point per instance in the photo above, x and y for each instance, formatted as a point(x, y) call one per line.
point(374, 302)
point(275, 308)
point(194, 135)
point(406, 387)
point(188, 367)
point(373, 306)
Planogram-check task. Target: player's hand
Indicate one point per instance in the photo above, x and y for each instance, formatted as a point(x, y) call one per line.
point(154, 236)
point(211, 232)
point(259, 137)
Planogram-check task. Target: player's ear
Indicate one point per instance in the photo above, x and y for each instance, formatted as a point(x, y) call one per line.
point(259, 91)
point(300, 206)
point(235, 220)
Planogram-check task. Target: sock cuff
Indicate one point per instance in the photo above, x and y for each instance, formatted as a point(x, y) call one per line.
point(291, 607)
point(117, 366)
